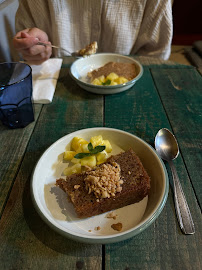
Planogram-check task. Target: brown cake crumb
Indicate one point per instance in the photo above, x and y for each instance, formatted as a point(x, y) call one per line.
point(111, 215)
point(117, 227)
point(97, 228)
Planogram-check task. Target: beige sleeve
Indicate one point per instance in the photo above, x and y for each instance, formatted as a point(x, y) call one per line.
point(156, 30)
point(36, 13)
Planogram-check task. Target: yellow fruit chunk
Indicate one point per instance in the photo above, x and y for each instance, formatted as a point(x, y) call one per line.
point(96, 140)
point(108, 147)
point(112, 76)
point(77, 143)
point(84, 148)
point(73, 169)
point(68, 155)
point(88, 161)
point(102, 157)
point(121, 80)
point(101, 79)
point(75, 160)
point(113, 83)
point(96, 82)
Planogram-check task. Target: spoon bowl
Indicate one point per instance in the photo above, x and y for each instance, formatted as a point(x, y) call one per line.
point(167, 147)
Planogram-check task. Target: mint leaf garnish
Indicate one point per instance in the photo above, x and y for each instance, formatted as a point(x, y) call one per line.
point(98, 149)
point(107, 82)
point(90, 147)
point(92, 151)
point(82, 155)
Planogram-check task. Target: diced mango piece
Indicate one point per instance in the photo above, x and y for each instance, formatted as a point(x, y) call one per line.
point(84, 148)
point(102, 157)
point(89, 161)
point(96, 82)
point(75, 160)
point(96, 140)
point(77, 143)
point(113, 83)
point(68, 155)
point(101, 79)
point(112, 76)
point(73, 169)
point(108, 147)
point(121, 80)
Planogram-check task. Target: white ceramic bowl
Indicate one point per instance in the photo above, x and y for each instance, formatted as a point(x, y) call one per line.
point(52, 204)
point(82, 66)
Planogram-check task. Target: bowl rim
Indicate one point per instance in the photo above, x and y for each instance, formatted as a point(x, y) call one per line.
point(108, 86)
point(94, 239)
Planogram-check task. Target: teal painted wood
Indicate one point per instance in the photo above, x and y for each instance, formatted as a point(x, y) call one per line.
point(13, 143)
point(181, 95)
point(30, 243)
point(162, 245)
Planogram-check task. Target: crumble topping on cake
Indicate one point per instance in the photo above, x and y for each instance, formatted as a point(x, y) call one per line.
point(104, 181)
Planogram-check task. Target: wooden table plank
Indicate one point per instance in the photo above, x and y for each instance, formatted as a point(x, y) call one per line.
point(162, 245)
point(181, 95)
point(30, 243)
point(13, 146)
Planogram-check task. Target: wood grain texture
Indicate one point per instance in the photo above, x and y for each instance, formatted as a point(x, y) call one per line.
point(181, 95)
point(30, 243)
point(162, 245)
point(13, 145)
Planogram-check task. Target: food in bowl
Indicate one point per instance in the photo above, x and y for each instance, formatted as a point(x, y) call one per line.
point(81, 67)
point(89, 49)
point(120, 181)
point(83, 153)
point(113, 73)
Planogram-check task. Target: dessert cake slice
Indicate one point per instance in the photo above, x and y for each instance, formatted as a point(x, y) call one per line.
point(120, 181)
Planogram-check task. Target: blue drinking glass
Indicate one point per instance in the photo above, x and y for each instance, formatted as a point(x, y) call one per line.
point(16, 109)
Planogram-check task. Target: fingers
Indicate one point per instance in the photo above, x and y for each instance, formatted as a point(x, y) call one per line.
point(26, 42)
point(37, 54)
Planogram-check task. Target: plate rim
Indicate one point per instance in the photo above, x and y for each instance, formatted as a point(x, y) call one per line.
point(96, 239)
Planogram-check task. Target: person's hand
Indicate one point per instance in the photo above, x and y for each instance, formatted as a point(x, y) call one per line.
point(25, 42)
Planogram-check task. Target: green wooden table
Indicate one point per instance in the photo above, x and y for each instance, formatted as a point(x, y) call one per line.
point(166, 96)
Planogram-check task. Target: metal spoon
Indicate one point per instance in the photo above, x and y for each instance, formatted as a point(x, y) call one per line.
point(60, 48)
point(74, 54)
point(167, 147)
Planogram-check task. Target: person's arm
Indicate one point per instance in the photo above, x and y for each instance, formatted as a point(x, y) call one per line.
point(25, 42)
point(33, 24)
point(156, 30)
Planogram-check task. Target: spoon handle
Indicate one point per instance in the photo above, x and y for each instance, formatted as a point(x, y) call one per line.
point(181, 206)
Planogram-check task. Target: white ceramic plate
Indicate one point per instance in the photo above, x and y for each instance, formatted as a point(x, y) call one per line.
point(82, 66)
point(53, 206)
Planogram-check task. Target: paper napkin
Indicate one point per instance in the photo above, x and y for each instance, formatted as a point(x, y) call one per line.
point(44, 80)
